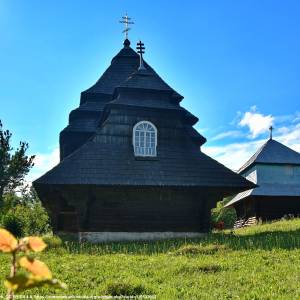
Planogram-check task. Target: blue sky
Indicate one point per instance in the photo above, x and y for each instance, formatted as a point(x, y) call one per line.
point(237, 64)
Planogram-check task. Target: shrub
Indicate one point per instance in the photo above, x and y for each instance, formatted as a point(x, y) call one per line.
point(126, 289)
point(10, 200)
point(38, 219)
point(53, 241)
point(226, 216)
point(14, 224)
point(26, 220)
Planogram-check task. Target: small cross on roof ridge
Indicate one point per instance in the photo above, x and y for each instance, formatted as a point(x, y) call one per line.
point(271, 128)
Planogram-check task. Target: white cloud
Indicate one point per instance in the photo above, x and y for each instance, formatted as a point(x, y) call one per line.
point(256, 122)
point(43, 162)
point(234, 155)
point(226, 134)
point(296, 117)
point(285, 118)
point(290, 137)
point(282, 130)
point(201, 129)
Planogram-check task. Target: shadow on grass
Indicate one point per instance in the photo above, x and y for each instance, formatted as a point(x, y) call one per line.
point(262, 240)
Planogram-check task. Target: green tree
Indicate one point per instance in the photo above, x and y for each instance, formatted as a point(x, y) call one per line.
point(14, 165)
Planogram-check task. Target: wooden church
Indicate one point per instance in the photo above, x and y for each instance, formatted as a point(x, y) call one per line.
point(275, 168)
point(131, 165)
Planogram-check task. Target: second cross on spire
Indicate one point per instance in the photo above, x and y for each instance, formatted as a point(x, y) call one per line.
point(141, 50)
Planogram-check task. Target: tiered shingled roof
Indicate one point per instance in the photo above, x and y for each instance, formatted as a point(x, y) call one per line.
point(93, 100)
point(108, 158)
point(103, 164)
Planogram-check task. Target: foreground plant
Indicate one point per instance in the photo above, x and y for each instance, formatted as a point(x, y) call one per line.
point(26, 271)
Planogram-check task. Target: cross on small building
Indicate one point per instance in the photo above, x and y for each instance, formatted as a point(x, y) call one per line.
point(271, 128)
point(126, 20)
point(141, 50)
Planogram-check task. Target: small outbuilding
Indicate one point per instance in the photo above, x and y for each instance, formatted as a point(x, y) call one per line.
point(275, 168)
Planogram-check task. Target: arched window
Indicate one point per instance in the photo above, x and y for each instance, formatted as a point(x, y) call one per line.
point(144, 139)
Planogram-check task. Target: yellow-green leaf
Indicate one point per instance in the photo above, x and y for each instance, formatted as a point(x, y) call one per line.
point(8, 242)
point(18, 282)
point(36, 267)
point(34, 243)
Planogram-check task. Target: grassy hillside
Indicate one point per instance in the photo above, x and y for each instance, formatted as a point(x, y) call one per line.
point(262, 262)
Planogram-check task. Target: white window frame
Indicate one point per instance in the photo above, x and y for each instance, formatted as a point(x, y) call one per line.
point(136, 152)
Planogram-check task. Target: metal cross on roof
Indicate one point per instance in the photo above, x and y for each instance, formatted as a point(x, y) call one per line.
point(271, 131)
point(141, 50)
point(126, 20)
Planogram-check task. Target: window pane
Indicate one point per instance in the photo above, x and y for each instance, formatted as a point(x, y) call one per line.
point(145, 140)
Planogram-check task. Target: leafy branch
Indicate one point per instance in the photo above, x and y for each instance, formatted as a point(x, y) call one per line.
point(37, 273)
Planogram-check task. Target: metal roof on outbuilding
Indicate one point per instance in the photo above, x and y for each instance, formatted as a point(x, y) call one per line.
point(268, 189)
point(272, 152)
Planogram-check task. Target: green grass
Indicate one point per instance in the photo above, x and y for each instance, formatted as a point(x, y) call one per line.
point(260, 262)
